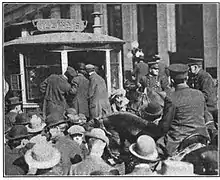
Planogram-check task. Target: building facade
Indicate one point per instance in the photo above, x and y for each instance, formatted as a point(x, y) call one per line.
point(162, 28)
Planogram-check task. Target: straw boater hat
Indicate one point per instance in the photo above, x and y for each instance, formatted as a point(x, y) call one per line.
point(36, 125)
point(99, 134)
point(145, 148)
point(42, 156)
point(17, 132)
point(177, 168)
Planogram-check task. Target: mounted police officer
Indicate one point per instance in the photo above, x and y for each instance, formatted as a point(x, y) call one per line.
point(203, 81)
point(183, 113)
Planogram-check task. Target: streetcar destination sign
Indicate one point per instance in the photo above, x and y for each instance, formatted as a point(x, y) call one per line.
point(60, 25)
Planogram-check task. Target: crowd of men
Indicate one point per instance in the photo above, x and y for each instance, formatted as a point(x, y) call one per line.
point(65, 138)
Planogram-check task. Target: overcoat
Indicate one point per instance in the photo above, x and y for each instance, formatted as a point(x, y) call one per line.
point(80, 102)
point(140, 70)
point(99, 104)
point(56, 89)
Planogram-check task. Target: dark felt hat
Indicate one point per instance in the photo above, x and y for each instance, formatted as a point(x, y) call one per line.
point(22, 119)
point(17, 132)
point(178, 71)
point(152, 109)
point(71, 71)
point(54, 119)
point(195, 61)
point(14, 101)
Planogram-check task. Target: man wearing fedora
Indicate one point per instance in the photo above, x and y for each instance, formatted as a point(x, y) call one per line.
point(69, 149)
point(17, 139)
point(203, 81)
point(80, 101)
point(99, 105)
point(97, 141)
point(183, 113)
point(14, 109)
point(56, 90)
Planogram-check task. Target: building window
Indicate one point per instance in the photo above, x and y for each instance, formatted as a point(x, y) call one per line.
point(87, 10)
point(189, 29)
point(147, 28)
point(38, 66)
point(65, 11)
point(114, 20)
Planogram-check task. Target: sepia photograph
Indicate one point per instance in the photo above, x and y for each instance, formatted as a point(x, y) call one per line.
point(110, 89)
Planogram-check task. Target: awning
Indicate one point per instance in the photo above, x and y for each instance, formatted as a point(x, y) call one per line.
point(65, 38)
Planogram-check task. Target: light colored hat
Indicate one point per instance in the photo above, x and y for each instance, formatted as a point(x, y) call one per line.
point(76, 129)
point(99, 134)
point(36, 124)
point(118, 92)
point(38, 139)
point(42, 156)
point(145, 148)
point(177, 168)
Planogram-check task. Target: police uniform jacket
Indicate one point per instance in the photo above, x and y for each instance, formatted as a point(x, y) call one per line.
point(203, 81)
point(183, 116)
point(98, 96)
point(156, 83)
point(80, 101)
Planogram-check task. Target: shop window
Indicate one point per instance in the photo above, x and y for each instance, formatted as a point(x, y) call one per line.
point(114, 69)
point(114, 20)
point(15, 82)
point(87, 10)
point(38, 66)
point(147, 28)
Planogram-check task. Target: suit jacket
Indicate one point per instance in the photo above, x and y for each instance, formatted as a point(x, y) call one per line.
point(80, 102)
point(99, 104)
point(203, 81)
point(56, 89)
point(140, 70)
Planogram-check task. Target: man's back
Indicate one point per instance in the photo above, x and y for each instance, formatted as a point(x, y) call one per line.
point(189, 113)
point(140, 70)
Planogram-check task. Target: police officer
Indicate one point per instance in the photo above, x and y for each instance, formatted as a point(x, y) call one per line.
point(183, 113)
point(203, 81)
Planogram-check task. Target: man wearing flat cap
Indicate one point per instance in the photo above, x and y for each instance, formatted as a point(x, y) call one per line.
point(203, 81)
point(183, 113)
point(99, 104)
point(56, 89)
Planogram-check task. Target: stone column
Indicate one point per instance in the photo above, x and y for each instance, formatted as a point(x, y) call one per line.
point(210, 35)
point(55, 12)
point(129, 31)
point(102, 8)
point(75, 11)
point(166, 30)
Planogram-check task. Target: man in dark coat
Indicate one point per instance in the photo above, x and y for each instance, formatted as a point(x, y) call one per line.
point(80, 101)
point(141, 69)
point(99, 104)
point(56, 89)
point(203, 81)
point(153, 80)
point(183, 113)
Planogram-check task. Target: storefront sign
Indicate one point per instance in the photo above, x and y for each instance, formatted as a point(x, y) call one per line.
point(60, 25)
